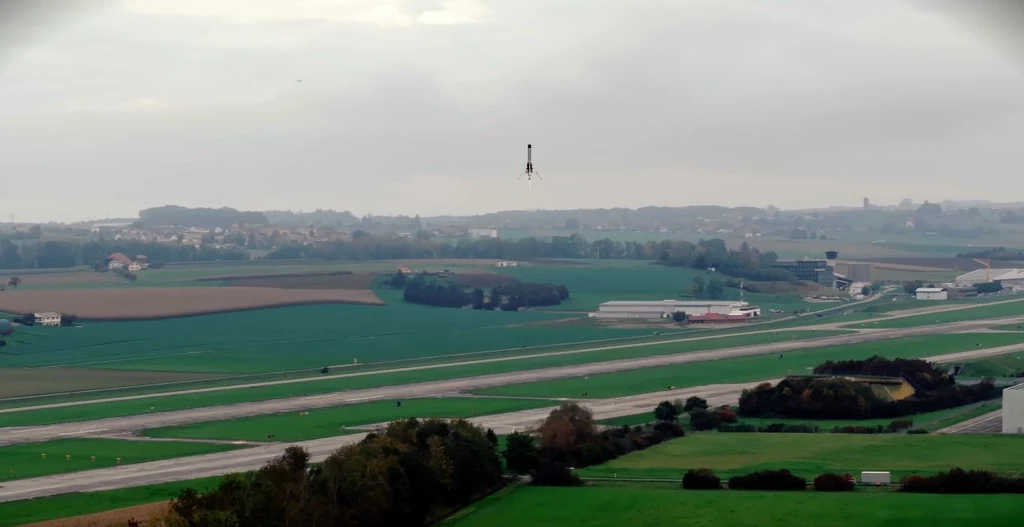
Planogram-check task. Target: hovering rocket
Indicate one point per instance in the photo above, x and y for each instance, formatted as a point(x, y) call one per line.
point(529, 173)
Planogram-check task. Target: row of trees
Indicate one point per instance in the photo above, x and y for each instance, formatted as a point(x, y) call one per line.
point(839, 398)
point(960, 481)
point(569, 437)
point(410, 473)
point(774, 480)
point(223, 217)
point(745, 262)
point(63, 254)
point(425, 289)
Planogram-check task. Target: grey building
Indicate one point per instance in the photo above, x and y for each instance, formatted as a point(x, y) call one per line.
point(817, 271)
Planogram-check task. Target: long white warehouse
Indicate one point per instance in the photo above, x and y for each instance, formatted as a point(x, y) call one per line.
point(665, 308)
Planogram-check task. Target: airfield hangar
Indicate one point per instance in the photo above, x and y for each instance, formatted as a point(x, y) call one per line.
point(654, 309)
point(1013, 409)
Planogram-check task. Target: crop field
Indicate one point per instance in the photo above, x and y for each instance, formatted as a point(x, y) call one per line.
point(614, 506)
point(808, 455)
point(350, 382)
point(28, 460)
point(139, 303)
point(327, 422)
point(210, 270)
point(1007, 309)
point(21, 382)
point(336, 280)
point(15, 513)
point(748, 369)
point(65, 280)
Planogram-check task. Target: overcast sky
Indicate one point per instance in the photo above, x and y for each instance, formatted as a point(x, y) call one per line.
point(426, 106)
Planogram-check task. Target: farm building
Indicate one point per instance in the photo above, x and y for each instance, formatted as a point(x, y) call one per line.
point(48, 319)
point(1010, 278)
point(507, 264)
point(931, 293)
point(120, 261)
point(817, 271)
point(483, 233)
point(1013, 410)
point(664, 308)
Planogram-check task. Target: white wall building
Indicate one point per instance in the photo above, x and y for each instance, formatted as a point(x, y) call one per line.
point(1013, 410)
point(931, 293)
point(48, 319)
point(652, 309)
point(1011, 278)
point(483, 233)
point(507, 264)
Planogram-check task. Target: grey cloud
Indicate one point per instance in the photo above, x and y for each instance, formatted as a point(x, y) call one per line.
point(627, 104)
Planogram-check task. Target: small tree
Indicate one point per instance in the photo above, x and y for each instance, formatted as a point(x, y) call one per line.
point(521, 454)
point(701, 479)
point(695, 403)
point(704, 420)
point(866, 290)
point(492, 437)
point(666, 411)
point(14, 282)
point(679, 316)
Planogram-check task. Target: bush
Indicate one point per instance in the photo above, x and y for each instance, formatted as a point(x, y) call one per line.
point(899, 425)
point(669, 429)
point(703, 420)
point(959, 481)
point(725, 414)
point(917, 431)
point(701, 479)
point(768, 480)
point(554, 474)
point(830, 482)
point(858, 429)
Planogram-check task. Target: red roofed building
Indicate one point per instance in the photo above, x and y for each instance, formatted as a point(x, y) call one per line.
point(120, 261)
point(716, 318)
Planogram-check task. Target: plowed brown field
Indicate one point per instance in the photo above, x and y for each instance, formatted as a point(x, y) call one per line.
point(115, 518)
point(139, 303)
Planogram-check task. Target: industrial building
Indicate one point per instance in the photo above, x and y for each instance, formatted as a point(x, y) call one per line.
point(1013, 409)
point(47, 319)
point(931, 293)
point(817, 271)
point(653, 309)
point(1012, 279)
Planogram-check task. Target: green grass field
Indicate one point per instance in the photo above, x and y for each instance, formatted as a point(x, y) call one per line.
point(614, 506)
point(15, 513)
point(980, 312)
point(808, 455)
point(748, 369)
point(327, 422)
point(1008, 365)
point(1010, 327)
point(28, 462)
point(196, 400)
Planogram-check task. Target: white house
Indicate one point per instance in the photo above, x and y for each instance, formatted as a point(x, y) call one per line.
point(931, 293)
point(47, 319)
point(507, 264)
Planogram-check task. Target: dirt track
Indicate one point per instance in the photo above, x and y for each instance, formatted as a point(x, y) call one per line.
point(140, 303)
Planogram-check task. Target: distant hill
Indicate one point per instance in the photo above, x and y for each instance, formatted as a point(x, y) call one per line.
point(201, 217)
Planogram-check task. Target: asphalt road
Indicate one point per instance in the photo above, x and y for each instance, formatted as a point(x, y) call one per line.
point(252, 458)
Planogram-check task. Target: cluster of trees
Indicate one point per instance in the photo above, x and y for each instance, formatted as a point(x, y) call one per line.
point(712, 289)
point(839, 398)
point(425, 289)
point(701, 417)
point(201, 217)
point(410, 473)
point(960, 481)
point(774, 480)
point(896, 426)
point(63, 254)
point(569, 437)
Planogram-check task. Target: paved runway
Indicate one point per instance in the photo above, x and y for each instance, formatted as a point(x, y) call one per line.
point(990, 423)
point(173, 418)
point(252, 458)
